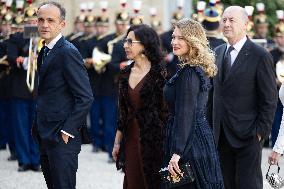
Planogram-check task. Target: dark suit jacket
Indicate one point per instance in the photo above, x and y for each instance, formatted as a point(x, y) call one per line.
point(64, 93)
point(245, 102)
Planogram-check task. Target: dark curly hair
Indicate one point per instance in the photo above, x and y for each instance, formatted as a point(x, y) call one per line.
point(150, 40)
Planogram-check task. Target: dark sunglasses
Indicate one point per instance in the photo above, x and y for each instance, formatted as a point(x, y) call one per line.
point(130, 41)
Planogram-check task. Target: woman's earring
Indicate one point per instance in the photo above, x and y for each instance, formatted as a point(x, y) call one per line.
point(142, 54)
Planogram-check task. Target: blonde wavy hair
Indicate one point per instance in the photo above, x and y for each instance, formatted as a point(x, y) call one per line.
point(199, 53)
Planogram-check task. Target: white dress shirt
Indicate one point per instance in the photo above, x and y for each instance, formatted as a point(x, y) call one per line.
point(50, 45)
point(237, 48)
point(279, 144)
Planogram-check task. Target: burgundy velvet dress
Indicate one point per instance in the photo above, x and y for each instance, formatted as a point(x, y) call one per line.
point(134, 176)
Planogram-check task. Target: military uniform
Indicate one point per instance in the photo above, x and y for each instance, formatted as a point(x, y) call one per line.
point(211, 24)
point(103, 81)
point(261, 26)
point(23, 100)
point(75, 36)
point(6, 128)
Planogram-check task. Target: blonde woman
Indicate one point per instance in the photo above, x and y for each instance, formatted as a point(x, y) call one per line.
point(188, 136)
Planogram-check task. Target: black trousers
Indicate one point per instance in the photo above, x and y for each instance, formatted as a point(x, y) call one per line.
point(241, 167)
point(59, 163)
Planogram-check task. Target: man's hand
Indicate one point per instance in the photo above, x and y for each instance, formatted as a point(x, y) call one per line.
point(122, 65)
point(19, 61)
point(89, 61)
point(65, 138)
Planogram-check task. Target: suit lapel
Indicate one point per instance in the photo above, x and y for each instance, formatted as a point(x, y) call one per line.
point(52, 53)
point(240, 60)
point(220, 62)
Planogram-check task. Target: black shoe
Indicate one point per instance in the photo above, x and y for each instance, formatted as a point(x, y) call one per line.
point(3, 147)
point(36, 168)
point(12, 158)
point(23, 168)
point(110, 160)
point(96, 149)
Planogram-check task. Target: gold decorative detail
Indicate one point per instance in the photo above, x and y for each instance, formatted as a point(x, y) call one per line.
point(175, 179)
point(124, 15)
point(19, 19)
point(8, 16)
point(3, 11)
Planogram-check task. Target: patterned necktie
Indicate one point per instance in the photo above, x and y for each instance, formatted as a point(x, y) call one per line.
point(227, 63)
point(45, 53)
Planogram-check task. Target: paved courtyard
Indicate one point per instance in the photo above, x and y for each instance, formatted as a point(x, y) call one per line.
point(93, 173)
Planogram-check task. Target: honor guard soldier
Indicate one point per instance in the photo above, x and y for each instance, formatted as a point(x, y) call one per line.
point(79, 27)
point(211, 23)
point(155, 23)
point(261, 27)
point(6, 129)
point(219, 7)
point(105, 92)
point(166, 38)
point(23, 98)
point(201, 5)
point(250, 27)
point(118, 56)
point(18, 23)
point(278, 59)
point(103, 81)
point(100, 28)
point(89, 28)
point(119, 59)
point(78, 30)
point(6, 17)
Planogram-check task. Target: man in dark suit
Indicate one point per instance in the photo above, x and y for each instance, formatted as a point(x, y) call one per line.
point(244, 102)
point(64, 100)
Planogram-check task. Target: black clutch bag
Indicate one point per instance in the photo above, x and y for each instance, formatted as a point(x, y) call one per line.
point(186, 176)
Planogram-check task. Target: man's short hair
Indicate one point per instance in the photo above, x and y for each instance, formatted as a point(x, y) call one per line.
point(58, 5)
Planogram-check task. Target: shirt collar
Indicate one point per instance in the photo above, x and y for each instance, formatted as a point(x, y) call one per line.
point(54, 41)
point(238, 46)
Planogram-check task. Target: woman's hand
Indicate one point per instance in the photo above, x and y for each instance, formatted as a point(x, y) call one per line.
point(173, 165)
point(115, 151)
point(273, 158)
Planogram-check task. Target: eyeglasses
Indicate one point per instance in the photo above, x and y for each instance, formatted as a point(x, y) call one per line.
point(130, 41)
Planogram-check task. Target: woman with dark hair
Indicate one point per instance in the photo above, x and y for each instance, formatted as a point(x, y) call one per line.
point(142, 113)
point(189, 139)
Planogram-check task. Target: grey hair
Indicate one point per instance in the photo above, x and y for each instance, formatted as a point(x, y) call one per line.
point(58, 5)
point(243, 12)
point(245, 15)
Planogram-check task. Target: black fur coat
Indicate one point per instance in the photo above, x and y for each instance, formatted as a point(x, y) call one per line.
point(152, 117)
